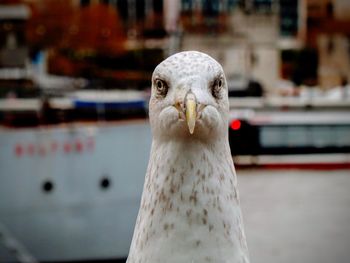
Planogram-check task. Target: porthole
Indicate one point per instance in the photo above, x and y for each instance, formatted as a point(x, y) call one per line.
point(105, 183)
point(47, 186)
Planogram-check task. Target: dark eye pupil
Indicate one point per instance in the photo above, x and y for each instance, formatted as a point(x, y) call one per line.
point(159, 84)
point(161, 88)
point(216, 88)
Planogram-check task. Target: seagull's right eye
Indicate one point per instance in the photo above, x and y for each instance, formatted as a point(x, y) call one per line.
point(217, 87)
point(161, 87)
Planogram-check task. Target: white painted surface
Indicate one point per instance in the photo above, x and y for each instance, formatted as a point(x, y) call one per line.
point(296, 216)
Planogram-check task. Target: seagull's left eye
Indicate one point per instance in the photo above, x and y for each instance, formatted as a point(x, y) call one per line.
point(161, 87)
point(216, 88)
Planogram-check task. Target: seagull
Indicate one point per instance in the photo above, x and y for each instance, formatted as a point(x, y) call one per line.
point(190, 210)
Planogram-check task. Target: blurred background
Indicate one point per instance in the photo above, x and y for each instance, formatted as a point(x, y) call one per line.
point(75, 139)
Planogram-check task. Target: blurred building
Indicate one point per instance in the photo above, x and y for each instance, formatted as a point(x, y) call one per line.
point(273, 40)
point(303, 41)
point(14, 51)
point(328, 31)
point(241, 35)
point(12, 39)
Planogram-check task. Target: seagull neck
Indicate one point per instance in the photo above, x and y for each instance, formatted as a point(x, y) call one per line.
point(173, 157)
point(191, 148)
point(189, 206)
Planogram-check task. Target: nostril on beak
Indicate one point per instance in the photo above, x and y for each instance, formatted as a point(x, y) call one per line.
point(181, 109)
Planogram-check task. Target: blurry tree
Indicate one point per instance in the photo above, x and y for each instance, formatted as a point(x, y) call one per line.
point(49, 20)
point(75, 36)
point(91, 30)
point(95, 30)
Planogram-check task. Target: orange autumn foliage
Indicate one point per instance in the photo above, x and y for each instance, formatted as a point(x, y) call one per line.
point(94, 29)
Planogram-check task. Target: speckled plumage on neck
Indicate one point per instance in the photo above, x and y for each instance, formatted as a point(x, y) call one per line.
point(190, 207)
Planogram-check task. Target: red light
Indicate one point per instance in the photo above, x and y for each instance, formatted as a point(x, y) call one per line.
point(235, 125)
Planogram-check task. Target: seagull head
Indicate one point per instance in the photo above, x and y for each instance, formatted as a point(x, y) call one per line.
point(189, 98)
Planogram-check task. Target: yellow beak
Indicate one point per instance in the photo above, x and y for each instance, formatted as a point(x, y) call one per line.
point(191, 112)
